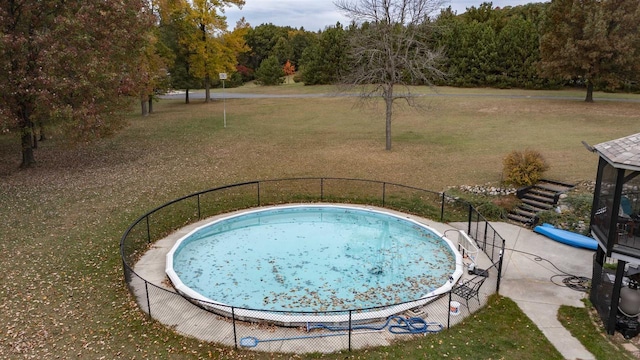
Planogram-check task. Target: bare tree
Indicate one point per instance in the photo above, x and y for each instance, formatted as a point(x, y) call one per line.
point(390, 45)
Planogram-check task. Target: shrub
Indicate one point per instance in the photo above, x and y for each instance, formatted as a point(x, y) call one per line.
point(549, 216)
point(574, 216)
point(235, 80)
point(492, 207)
point(490, 210)
point(581, 204)
point(524, 168)
point(245, 72)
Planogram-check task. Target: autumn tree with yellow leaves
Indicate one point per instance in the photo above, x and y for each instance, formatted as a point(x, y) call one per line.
point(211, 47)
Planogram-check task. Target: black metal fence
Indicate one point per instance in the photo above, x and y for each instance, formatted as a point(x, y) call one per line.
point(298, 331)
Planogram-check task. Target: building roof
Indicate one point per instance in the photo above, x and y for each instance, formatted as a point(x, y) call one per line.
point(622, 153)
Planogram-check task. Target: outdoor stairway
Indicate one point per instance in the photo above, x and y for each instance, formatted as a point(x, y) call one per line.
point(540, 197)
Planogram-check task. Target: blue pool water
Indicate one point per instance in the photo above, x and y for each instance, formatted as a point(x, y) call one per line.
point(312, 258)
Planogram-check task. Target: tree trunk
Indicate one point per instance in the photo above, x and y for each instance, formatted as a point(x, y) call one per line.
point(28, 159)
point(207, 89)
point(150, 104)
point(589, 92)
point(388, 99)
point(143, 105)
point(186, 96)
point(28, 133)
point(42, 136)
point(34, 135)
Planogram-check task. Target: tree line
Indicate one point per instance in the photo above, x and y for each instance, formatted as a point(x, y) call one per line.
point(534, 46)
point(77, 64)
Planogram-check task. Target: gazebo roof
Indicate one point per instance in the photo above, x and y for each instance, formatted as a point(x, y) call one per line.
point(622, 153)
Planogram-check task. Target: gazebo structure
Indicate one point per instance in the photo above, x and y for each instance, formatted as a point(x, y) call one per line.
point(615, 224)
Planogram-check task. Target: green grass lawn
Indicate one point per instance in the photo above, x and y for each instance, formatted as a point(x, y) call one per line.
point(580, 323)
point(63, 293)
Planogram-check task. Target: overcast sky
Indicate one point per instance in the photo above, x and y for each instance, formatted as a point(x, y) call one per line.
point(317, 14)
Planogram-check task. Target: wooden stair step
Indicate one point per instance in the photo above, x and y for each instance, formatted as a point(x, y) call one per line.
point(537, 204)
point(543, 192)
point(538, 198)
point(530, 208)
point(524, 212)
point(518, 218)
point(554, 186)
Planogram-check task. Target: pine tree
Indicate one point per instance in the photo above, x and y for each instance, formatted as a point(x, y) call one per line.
point(324, 60)
point(270, 72)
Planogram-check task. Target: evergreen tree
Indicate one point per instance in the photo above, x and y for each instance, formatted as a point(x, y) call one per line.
point(261, 40)
point(518, 53)
point(492, 47)
point(282, 50)
point(300, 40)
point(270, 72)
point(323, 61)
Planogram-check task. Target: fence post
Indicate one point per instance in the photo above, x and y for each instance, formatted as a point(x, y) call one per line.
point(350, 330)
point(258, 193)
point(499, 277)
point(442, 207)
point(449, 312)
point(486, 229)
point(148, 230)
point(235, 336)
point(146, 290)
point(469, 222)
point(321, 189)
point(199, 213)
point(493, 245)
point(384, 192)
